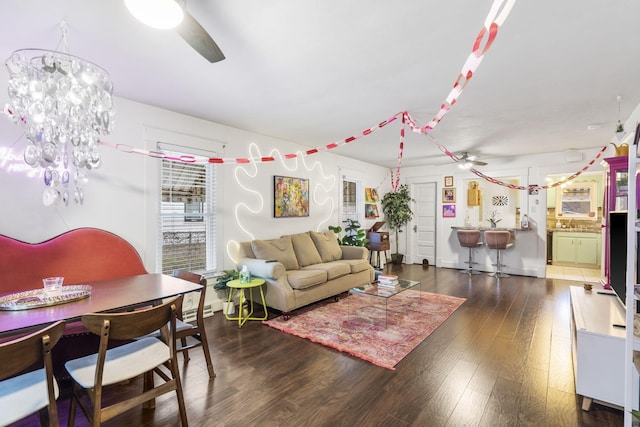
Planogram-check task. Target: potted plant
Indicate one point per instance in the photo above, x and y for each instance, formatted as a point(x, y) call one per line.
point(354, 235)
point(221, 285)
point(493, 219)
point(396, 206)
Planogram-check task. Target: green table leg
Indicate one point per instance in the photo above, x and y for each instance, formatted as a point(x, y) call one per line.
point(242, 318)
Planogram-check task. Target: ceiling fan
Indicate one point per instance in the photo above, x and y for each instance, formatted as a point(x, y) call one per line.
point(465, 161)
point(167, 14)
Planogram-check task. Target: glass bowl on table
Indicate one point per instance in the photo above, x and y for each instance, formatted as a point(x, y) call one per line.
point(52, 285)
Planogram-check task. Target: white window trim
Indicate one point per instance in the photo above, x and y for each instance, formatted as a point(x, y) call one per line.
point(152, 190)
point(359, 215)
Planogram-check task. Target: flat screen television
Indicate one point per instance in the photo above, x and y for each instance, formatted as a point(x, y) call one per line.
point(617, 230)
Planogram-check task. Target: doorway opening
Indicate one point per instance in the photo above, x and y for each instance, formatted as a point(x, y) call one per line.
point(574, 228)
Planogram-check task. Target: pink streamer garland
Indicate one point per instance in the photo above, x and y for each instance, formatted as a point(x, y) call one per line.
point(498, 13)
point(395, 182)
point(242, 160)
point(521, 187)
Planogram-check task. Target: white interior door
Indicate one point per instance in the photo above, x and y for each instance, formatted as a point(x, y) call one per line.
point(423, 229)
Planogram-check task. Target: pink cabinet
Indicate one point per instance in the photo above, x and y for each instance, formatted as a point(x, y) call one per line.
point(617, 184)
point(615, 200)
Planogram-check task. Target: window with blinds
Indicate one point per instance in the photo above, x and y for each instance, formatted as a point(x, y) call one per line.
point(349, 199)
point(187, 220)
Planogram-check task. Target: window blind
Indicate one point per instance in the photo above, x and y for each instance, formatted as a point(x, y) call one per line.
point(187, 219)
point(350, 199)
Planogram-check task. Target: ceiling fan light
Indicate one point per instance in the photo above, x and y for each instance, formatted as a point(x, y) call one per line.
point(160, 14)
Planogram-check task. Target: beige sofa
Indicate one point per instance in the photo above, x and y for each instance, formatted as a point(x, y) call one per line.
point(303, 268)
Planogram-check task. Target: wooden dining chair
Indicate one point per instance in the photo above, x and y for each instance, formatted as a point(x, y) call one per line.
point(33, 391)
point(142, 356)
point(197, 330)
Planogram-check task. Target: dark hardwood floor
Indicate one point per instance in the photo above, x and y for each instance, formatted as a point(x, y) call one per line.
point(502, 359)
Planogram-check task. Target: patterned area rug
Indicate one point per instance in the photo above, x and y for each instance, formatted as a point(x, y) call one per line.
point(360, 325)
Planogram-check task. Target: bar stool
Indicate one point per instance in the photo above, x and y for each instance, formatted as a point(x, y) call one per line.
point(498, 240)
point(470, 239)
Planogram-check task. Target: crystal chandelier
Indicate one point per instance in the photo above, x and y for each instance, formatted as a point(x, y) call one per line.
point(64, 105)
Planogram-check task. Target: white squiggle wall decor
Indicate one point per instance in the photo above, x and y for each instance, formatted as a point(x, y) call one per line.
point(254, 203)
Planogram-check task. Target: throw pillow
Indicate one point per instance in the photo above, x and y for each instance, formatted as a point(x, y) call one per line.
point(279, 249)
point(306, 252)
point(327, 245)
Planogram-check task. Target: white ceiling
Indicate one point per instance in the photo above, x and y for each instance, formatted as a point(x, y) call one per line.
point(316, 72)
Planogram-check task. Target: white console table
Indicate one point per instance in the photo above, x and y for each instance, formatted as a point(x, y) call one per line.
point(598, 348)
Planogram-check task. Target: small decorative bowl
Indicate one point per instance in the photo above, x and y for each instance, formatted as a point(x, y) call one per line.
point(588, 287)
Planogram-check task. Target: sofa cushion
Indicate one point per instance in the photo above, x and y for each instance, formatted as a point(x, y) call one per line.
point(327, 245)
point(245, 250)
point(279, 249)
point(306, 278)
point(334, 269)
point(356, 265)
point(305, 249)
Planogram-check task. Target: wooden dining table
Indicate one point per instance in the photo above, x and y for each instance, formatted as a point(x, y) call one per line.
point(106, 295)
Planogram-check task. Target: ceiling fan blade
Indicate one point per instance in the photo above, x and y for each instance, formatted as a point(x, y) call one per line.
point(477, 162)
point(468, 160)
point(194, 34)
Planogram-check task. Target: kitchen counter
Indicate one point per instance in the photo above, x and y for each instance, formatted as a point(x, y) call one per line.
point(521, 258)
point(574, 230)
point(489, 228)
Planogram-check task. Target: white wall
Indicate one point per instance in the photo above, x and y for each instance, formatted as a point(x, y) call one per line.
point(122, 195)
point(528, 257)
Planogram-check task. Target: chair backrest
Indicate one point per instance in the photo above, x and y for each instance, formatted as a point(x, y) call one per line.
point(497, 239)
point(190, 276)
point(195, 278)
point(22, 353)
point(134, 324)
point(469, 238)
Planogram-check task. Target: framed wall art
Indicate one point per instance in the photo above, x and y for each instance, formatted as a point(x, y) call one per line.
point(448, 211)
point(371, 195)
point(500, 200)
point(448, 195)
point(290, 197)
point(448, 181)
point(371, 210)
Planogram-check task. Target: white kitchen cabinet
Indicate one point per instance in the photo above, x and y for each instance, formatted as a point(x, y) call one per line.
point(551, 197)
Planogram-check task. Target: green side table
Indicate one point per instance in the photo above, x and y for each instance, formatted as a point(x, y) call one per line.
point(238, 288)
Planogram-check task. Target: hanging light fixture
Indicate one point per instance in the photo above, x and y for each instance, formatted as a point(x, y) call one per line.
point(64, 104)
point(620, 133)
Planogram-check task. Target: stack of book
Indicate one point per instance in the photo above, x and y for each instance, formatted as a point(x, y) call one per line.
point(387, 280)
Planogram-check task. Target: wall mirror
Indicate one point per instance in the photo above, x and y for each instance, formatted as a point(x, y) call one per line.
point(577, 200)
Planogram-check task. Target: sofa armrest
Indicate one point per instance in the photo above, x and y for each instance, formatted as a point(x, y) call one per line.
point(354, 252)
point(277, 292)
point(260, 268)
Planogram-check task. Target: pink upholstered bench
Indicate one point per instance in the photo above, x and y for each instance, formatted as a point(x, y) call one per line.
point(80, 255)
